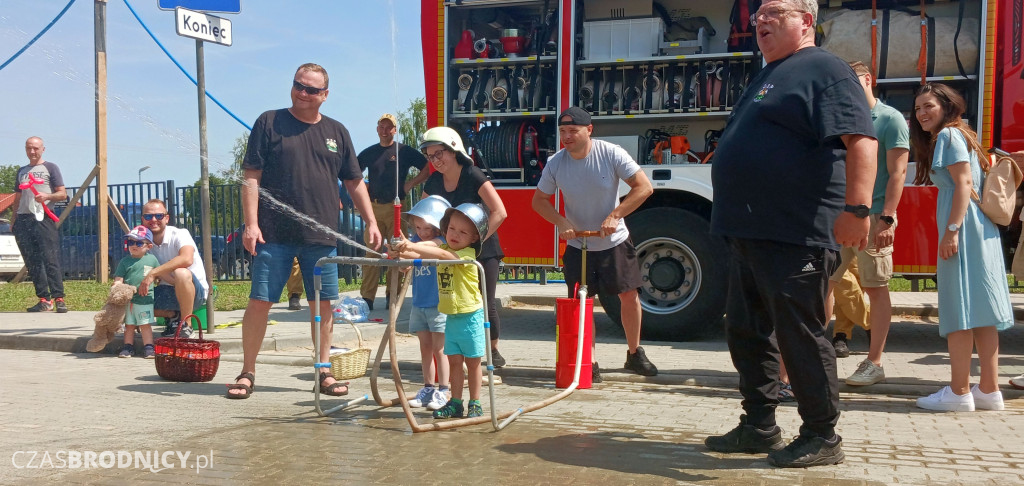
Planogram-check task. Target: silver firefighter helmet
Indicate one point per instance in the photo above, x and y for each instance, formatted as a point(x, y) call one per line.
point(476, 213)
point(431, 209)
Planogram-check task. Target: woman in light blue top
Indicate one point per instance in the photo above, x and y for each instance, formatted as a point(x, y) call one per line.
point(974, 299)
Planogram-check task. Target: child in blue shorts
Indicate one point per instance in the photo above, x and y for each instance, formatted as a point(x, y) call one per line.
point(425, 320)
point(459, 297)
point(131, 270)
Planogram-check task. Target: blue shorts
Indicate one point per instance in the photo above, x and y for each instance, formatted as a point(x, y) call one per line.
point(464, 334)
point(165, 299)
point(426, 319)
point(272, 266)
point(139, 315)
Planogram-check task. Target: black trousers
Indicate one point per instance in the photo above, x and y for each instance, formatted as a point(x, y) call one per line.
point(39, 243)
point(490, 283)
point(776, 304)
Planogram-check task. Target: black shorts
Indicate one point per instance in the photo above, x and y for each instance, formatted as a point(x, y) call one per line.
point(610, 272)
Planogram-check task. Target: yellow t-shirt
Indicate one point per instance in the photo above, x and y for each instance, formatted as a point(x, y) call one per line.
point(458, 286)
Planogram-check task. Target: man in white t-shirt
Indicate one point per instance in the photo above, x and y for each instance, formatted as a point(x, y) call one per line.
point(588, 172)
point(183, 286)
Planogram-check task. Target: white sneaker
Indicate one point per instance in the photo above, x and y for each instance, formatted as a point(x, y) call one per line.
point(422, 397)
point(438, 400)
point(867, 373)
point(987, 401)
point(945, 400)
point(1017, 382)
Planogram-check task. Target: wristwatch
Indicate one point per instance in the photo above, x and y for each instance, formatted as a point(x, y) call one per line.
point(889, 220)
point(953, 227)
point(860, 210)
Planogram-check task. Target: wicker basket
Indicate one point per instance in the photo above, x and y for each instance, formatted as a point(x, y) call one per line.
point(351, 364)
point(187, 359)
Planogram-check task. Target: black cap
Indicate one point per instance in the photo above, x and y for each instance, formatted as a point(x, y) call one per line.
point(576, 115)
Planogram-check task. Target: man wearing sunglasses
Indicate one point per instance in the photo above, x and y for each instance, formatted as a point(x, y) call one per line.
point(793, 176)
point(183, 285)
point(293, 161)
point(384, 163)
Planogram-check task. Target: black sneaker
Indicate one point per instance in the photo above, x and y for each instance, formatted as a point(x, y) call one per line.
point(293, 302)
point(639, 364)
point(42, 306)
point(59, 305)
point(595, 374)
point(808, 451)
point(186, 332)
point(747, 439)
point(840, 345)
point(496, 358)
point(172, 325)
point(369, 303)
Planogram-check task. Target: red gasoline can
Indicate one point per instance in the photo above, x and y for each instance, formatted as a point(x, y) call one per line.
point(567, 316)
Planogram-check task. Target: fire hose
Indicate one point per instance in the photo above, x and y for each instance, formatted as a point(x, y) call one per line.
point(389, 340)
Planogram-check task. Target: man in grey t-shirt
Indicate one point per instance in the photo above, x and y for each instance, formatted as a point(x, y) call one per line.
point(588, 173)
point(35, 231)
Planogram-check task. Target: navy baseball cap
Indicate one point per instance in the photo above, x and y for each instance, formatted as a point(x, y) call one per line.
point(574, 116)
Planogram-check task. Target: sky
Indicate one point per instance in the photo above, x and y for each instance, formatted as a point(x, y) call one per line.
point(370, 49)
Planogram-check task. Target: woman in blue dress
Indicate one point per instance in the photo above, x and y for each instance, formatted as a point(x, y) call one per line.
point(974, 298)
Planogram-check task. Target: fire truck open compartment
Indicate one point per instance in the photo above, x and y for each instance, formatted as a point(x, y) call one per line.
point(647, 71)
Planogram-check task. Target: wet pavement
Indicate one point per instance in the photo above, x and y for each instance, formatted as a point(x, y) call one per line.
point(628, 430)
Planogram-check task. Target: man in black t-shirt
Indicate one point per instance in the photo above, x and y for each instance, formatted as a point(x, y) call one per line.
point(798, 148)
point(290, 201)
point(385, 163)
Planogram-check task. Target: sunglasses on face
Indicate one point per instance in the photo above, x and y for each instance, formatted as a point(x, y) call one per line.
point(150, 217)
point(297, 86)
point(134, 243)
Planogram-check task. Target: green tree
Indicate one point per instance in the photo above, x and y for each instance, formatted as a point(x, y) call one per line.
point(413, 122)
point(233, 174)
point(8, 179)
point(225, 206)
point(8, 176)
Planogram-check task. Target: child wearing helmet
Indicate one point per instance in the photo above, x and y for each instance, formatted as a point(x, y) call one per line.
point(425, 320)
point(131, 270)
point(459, 297)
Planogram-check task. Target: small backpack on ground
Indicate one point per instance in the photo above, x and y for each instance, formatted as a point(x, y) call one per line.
point(998, 198)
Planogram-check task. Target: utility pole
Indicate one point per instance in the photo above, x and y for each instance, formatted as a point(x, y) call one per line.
point(100, 41)
point(204, 188)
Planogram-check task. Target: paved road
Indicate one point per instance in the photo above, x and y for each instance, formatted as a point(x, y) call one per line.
point(617, 433)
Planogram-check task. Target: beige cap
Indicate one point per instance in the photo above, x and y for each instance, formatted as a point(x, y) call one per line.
point(389, 117)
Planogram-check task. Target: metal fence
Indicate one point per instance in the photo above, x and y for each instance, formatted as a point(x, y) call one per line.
point(80, 240)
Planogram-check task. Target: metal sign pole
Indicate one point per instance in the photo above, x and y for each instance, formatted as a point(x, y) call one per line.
point(204, 188)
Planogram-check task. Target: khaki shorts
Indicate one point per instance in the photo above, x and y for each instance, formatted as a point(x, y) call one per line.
point(875, 264)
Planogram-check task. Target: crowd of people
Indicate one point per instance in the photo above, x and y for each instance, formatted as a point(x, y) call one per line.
point(809, 218)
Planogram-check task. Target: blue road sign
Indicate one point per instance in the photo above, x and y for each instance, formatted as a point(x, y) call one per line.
point(223, 6)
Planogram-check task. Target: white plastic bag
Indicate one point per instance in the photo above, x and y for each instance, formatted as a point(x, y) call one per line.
point(352, 309)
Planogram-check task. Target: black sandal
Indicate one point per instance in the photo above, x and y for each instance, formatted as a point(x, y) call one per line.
point(332, 389)
point(247, 388)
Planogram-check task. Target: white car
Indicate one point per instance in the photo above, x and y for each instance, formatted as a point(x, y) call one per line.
point(10, 258)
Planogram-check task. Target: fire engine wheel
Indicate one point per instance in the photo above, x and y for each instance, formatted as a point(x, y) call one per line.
point(685, 276)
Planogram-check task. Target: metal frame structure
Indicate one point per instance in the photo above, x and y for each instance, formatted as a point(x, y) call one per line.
point(388, 340)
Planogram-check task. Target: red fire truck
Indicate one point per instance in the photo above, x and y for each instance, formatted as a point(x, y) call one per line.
point(660, 78)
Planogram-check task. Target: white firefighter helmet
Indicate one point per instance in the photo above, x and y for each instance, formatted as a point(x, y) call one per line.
point(449, 138)
point(475, 212)
point(431, 209)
